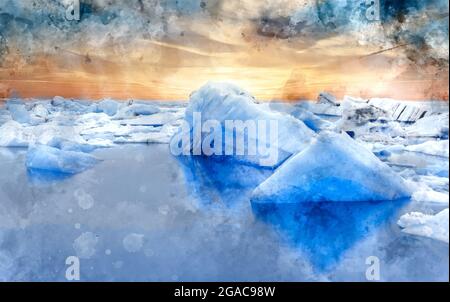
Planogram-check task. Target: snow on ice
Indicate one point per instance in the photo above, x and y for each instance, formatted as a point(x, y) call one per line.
point(432, 226)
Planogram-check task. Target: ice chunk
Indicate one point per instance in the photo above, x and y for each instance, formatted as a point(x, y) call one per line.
point(148, 137)
point(109, 107)
point(438, 148)
point(226, 102)
point(71, 106)
point(19, 112)
point(158, 119)
point(311, 120)
point(430, 126)
point(333, 168)
point(136, 109)
point(409, 111)
point(40, 111)
point(12, 134)
point(358, 113)
point(321, 108)
point(41, 157)
point(431, 197)
point(432, 226)
point(327, 98)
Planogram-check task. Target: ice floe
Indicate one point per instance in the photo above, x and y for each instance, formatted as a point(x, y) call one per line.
point(224, 102)
point(41, 157)
point(435, 126)
point(431, 226)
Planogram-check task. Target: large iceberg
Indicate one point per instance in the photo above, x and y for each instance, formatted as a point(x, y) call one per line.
point(41, 157)
point(12, 135)
point(333, 168)
point(430, 126)
point(223, 102)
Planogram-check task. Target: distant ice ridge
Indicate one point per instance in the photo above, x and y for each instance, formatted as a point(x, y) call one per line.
point(47, 158)
point(318, 163)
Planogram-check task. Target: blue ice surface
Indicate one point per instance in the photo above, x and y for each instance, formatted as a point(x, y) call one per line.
point(221, 178)
point(333, 168)
point(326, 230)
point(46, 158)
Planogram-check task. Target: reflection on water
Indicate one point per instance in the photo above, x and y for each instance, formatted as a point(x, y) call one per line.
point(221, 179)
point(325, 230)
point(322, 230)
point(43, 177)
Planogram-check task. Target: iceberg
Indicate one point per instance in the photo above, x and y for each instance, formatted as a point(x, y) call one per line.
point(136, 109)
point(225, 102)
point(327, 98)
point(437, 148)
point(431, 226)
point(334, 168)
point(20, 113)
point(430, 126)
point(358, 113)
point(430, 196)
point(12, 134)
point(41, 157)
point(109, 107)
point(61, 104)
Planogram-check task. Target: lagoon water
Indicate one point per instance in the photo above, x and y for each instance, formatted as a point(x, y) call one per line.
point(143, 215)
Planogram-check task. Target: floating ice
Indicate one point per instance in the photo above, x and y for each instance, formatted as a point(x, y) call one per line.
point(431, 197)
point(358, 113)
point(226, 102)
point(333, 168)
point(430, 126)
point(136, 109)
point(404, 111)
point(12, 135)
point(109, 107)
point(19, 112)
point(327, 98)
point(432, 226)
point(438, 148)
point(311, 120)
point(41, 157)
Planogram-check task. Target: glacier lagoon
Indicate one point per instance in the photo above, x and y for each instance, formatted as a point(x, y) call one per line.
point(98, 181)
point(189, 228)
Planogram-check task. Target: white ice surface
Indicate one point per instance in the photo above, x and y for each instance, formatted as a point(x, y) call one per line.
point(431, 226)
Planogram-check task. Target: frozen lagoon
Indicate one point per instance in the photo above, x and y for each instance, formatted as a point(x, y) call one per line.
point(141, 214)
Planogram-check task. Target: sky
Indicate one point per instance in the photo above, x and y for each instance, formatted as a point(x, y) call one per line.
point(275, 49)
